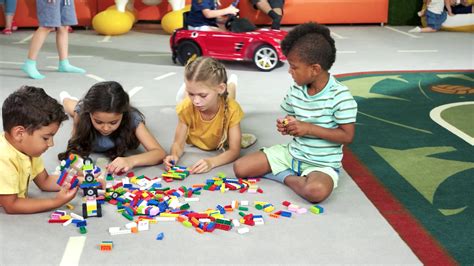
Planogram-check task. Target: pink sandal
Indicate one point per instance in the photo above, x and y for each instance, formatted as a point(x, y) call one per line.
point(14, 26)
point(7, 31)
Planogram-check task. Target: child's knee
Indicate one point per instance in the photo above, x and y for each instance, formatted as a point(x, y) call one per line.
point(316, 192)
point(239, 169)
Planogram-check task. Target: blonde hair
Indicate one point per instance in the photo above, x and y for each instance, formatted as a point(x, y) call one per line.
point(212, 73)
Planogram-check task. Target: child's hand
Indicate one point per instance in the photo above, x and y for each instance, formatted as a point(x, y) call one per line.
point(202, 166)
point(66, 194)
point(296, 128)
point(119, 165)
point(169, 161)
point(232, 10)
point(282, 125)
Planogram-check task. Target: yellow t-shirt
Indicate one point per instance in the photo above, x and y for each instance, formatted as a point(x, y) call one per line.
point(16, 169)
point(204, 134)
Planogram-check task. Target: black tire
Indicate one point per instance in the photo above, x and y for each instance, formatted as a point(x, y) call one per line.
point(89, 178)
point(185, 50)
point(265, 57)
point(115, 195)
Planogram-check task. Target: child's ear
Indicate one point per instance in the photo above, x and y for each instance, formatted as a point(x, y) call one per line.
point(222, 88)
point(17, 132)
point(316, 68)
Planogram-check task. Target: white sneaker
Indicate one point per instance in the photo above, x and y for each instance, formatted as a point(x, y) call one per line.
point(64, 94)
point(232, 79)
point(416, 30)
point(181, 93)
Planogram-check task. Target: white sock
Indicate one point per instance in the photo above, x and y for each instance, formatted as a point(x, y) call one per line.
point(64, 94)
point(232, 79)
point(181, 93)
point(416, 29)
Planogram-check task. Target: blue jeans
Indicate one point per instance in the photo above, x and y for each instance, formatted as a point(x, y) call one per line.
point(9, 7)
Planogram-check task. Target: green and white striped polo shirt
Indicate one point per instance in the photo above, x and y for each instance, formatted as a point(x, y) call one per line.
point(330, 107)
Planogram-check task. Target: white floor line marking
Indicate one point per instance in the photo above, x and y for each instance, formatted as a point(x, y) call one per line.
point(346, 52)
point(165, 75)
point(402, 32)
point(417, 51)
point(337, 35)
point(11, 63)
point(95, 77)
point(52, 67)
point(435, 114)
point(70, 56)
point(72, 254)
point(134, 91)
point(106, 39)
point(24, 40)
point(155, 54)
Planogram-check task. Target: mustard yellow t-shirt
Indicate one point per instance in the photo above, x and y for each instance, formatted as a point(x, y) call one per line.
point(204, 134)
point(16, 169)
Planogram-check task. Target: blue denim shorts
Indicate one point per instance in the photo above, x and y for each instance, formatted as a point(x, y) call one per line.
point(434, 20)
point(56, 13)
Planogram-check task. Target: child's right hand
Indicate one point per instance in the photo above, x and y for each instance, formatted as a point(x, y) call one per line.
point(169, 161)
point(66, 194)
point(281, 125)
point(232, 10)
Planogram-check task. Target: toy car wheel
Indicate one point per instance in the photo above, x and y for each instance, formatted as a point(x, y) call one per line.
point(89, 178)
point(115, 195)
point(185, 50)
point(265, 57)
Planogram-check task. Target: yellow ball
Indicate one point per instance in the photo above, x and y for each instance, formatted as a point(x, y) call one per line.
point(131, 13)
point(112, 22)
point(172, 20)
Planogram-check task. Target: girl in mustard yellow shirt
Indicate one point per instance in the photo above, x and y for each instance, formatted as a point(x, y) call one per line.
point(209, 118)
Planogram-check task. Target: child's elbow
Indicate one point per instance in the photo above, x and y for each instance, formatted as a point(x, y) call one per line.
point(348, 139)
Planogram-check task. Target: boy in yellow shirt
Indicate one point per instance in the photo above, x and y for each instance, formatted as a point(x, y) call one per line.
point(31, 118)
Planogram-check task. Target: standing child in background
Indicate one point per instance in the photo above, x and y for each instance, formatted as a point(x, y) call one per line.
point(204, 15)
point(105, 122)
point(9, 8)
point(209, 118)
point(31, 118)
point(435, 15)
point(321, 113)
point(52, 14)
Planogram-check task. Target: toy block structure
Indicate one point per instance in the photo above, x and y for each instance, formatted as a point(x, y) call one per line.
point(106, 246)
point(68, 171)
point(90, 205)
point(316, 209)
point(176, 172)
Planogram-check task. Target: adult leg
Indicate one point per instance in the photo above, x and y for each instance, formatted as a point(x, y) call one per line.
point(315, 187)
point(29, 67)
point(252, 165)
point(62, 44)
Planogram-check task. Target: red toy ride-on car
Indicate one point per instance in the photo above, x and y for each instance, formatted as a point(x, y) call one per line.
point(261, 46)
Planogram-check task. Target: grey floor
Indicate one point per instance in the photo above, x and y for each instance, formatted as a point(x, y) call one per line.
point(351, 231)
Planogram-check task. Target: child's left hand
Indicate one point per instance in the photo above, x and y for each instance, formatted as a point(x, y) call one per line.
point(296, 128)
point(202, 166)
point(119, 165)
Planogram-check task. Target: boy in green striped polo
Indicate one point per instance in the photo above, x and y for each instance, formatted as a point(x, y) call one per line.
point(321, 114)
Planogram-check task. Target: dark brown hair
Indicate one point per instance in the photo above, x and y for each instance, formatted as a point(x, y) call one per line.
point(108, 97)
point(31, 108)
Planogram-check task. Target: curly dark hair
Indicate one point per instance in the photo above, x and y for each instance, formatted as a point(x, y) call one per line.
point(108, 97)
point(312, 43)
point(31, 108)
